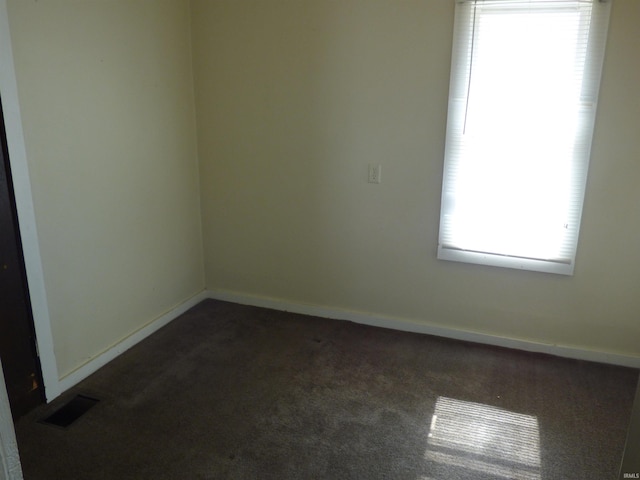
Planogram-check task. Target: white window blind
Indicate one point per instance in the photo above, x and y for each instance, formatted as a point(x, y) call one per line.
point(522, 102)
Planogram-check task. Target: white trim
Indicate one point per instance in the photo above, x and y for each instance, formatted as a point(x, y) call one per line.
point(10, 468)
point(504, 261)
point(415, 326)
point(24, 205)
point(125, 344)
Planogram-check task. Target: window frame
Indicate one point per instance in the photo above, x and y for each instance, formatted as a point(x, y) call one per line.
point(460, 67)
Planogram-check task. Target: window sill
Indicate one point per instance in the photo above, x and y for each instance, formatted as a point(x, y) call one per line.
point(504, 261)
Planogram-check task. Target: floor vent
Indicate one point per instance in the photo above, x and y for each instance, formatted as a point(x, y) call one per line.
point(69, 413)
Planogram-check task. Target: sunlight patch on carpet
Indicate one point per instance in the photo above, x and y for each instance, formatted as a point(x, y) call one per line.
point(484, 439)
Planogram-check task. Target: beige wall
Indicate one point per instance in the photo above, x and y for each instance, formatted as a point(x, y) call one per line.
point(106, 95)
point(294, 100)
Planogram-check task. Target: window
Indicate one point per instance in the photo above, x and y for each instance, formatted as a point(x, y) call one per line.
point(522, 102)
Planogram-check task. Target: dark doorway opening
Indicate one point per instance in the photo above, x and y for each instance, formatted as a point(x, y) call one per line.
point(22, 374)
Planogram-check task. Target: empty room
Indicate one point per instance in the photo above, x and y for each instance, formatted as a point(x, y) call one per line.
point(341, 239)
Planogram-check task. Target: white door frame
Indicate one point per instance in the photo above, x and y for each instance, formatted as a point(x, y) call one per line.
point(9, 460)
point(10, 468)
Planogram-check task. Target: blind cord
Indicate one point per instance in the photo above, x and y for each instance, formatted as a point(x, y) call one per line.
point(473, 42)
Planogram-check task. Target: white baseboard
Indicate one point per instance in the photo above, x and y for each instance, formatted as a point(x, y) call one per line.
point(105, 357)
point(416, 327)
point(395, 323)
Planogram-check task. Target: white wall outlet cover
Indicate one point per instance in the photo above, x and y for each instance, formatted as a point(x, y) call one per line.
point(375, 173)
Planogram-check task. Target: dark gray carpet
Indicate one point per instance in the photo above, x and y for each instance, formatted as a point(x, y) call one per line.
point(236, 392)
